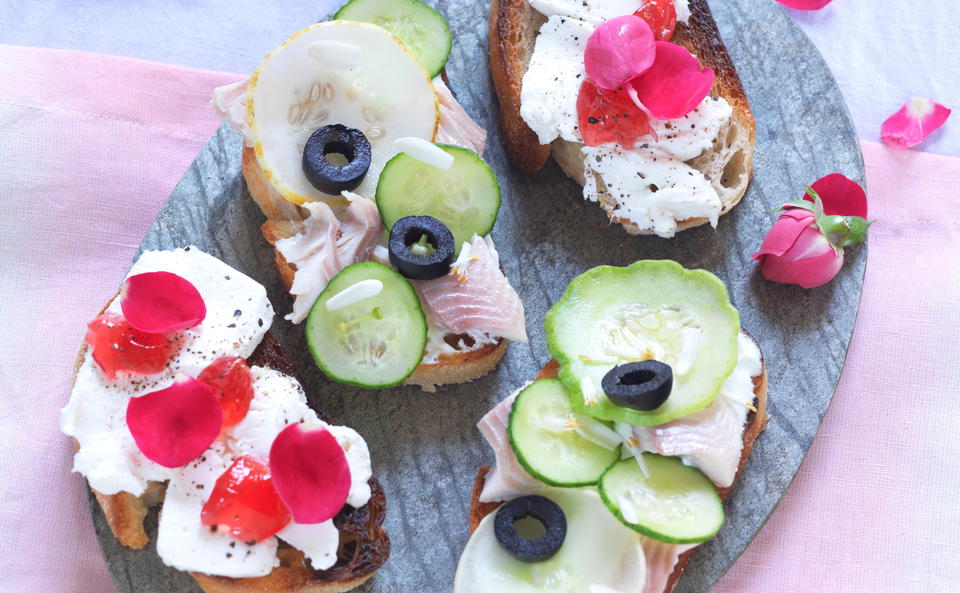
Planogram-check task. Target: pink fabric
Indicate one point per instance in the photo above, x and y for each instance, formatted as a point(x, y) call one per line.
point(90, 148)
point(876, 505)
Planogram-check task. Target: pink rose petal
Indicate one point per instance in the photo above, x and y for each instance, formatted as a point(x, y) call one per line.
point(310, 472)
point(161, 302)
point(805, 4)
point(619, 50)
point(840, 195)
point(675, 85)
point(785, 232)
point(808, 273)
point(913, 123)
point(174, 426)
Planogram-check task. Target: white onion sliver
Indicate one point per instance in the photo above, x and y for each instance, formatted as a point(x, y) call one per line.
point(597, 432)
point(425, 152)
point(589, 391)
point(355, 293)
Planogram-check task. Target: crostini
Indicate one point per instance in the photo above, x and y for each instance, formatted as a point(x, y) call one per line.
point(627, 443)
point(350, 129)
point(183, 399)
point(655, 161)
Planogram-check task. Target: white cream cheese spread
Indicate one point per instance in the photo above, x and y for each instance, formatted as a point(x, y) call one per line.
point(687, 137)
point(437, 345)
point(184, 543)
point(548, 95)
point(651, 184)
point(651, 188)
point(594, 11)
point(238, 316)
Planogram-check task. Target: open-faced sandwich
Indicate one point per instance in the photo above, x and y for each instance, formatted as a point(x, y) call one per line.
point(182, 398)
point(612, 466)
point(636, 100)
point(356, 150)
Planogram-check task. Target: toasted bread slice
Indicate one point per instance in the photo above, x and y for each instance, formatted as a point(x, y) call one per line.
point(728, 164)
point(461, 366)
point(364, 544)
point(756, 421)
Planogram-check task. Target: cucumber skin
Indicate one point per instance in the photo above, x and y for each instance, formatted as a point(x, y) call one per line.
point(529, 468)
point(572, 383)
point(317, 359)
point(651, 533)
point(442, 19)
point(447, 148)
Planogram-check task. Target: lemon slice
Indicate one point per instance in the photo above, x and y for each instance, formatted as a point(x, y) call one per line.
point(337, 72)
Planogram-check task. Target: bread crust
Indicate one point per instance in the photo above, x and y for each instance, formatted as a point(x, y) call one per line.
point(755, 423)
point(364, 547)
point(459, 367)
point(728, 163)
point(364, 544)
point(510, 48)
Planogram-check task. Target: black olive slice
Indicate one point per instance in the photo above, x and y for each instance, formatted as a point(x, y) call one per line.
point(336, 139)
point(542, 509)
point(643, 385)
point(421, 247)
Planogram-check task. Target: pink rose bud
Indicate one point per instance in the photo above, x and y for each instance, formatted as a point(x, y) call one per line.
point(805, 245)
point(796, 252)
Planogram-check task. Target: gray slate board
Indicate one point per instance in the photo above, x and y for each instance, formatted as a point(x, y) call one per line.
point(425, 447)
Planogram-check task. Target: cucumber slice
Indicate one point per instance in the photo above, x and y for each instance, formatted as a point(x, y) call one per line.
point(377, 341)
point(465, 197)
point(598, 554)
point(420, 27)
point(650, 309)
point(558, 455)
point(676, 504)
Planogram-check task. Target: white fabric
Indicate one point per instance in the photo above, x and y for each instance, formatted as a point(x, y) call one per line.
point(882, 52)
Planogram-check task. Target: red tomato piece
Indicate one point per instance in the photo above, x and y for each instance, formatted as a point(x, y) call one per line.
point(231, 381)
point(244, 502)
point(610, 116)
point(119, 347)
point(661, 15)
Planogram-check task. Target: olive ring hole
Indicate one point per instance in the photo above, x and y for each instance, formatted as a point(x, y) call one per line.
point(339, 154)
point(638, 377)
point(413, 236)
